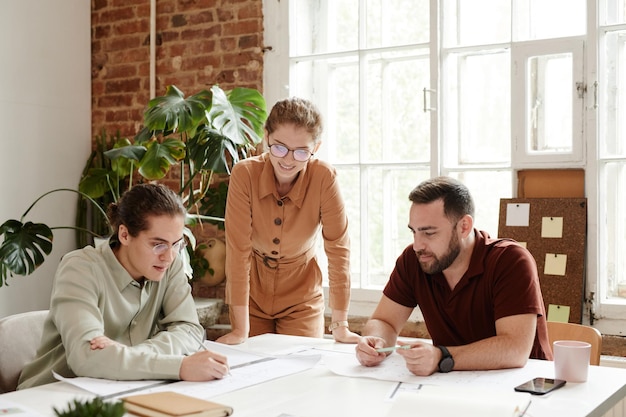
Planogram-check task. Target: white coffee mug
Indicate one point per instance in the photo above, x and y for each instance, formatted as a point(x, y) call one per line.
point(571, 360)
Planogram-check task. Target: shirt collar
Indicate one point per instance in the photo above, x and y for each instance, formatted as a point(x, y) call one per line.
point(267, 185)
point(120, 275)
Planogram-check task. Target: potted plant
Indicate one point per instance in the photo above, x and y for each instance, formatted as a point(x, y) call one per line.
point(95, 407)
point(203, 135)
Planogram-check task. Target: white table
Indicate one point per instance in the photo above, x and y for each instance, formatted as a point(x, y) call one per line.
point(319, 392)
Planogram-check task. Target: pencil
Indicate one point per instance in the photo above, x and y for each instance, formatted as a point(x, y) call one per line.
point(202, 347)
point(198, 340)
point(393, 348)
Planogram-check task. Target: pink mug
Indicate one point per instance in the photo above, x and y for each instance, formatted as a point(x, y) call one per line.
point(571, 360)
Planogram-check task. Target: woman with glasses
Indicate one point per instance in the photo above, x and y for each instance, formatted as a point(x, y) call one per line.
point(278, 204)
point(124, 310)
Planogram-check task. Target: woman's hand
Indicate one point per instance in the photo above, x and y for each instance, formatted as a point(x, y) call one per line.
point(232, 338)
point(344, 335)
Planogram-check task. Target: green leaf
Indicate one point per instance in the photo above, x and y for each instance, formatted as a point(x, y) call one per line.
point(95, 407)
point(122, 156)
point(239, 115)
point(160, 157)
point(24, 246)
point(172, 112)
point(95, 183)
point(207, 151)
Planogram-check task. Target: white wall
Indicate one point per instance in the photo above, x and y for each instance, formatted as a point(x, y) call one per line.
point(45, 126)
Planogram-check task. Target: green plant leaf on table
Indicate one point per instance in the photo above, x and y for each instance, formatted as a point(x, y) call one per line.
point(95, 407)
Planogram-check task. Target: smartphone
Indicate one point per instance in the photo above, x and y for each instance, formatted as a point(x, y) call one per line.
point(540, 386)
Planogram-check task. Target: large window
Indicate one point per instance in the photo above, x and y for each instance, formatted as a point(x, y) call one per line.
point(611, 159)
point(474, 89)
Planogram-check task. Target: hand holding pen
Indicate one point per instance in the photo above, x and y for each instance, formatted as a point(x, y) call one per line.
point(393, 348)
point(204, 365)
point(372, 350)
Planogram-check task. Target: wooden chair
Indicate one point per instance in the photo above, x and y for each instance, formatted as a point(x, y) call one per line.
point(20, 336)
point(573, 331)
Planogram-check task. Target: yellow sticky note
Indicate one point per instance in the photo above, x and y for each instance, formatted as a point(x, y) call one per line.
point(522, 244)
point(558, 313)
point(555, 264)
point(552, 227)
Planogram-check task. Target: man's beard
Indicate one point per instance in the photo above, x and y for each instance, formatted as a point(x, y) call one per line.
point(441, 264)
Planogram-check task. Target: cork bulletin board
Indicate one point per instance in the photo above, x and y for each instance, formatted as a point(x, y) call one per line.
point(554, 231)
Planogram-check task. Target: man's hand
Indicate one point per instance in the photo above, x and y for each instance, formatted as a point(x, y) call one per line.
point(100, 342)
point(366, 350)
point(422, 359)
point(204, 366)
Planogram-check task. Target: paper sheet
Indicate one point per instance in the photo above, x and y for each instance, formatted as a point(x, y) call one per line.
point(243, 375)
point(394, 369)
point(433, 401)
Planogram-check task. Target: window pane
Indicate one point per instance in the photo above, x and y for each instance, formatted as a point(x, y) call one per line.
point(478, 94)
point(387, 196)
point(487, 188)
point(613, 127)
point(546, 19)
point(349, 181)
point(613, 228)
point(321, 26)
point(397, 127)
point(549, 104)
point(476, 22)
point(397, 22)
point(333, 85)
point(614, 12)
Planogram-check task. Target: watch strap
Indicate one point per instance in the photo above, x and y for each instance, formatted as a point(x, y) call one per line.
point(334, 325)
point(447, 362)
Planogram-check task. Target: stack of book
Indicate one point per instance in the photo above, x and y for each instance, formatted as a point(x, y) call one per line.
point(173, 404)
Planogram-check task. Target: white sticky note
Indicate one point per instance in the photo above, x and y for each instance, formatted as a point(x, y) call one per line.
point(555, 264)
point(517, 214)
point(552, 227)
point(522, 244)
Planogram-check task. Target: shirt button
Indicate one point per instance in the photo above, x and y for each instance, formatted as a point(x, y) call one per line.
point(280, 203)
point(274, 252)
point(278, 221)
point(276, 241)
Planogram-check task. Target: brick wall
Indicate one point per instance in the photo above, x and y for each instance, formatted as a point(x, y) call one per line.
point(198, 43)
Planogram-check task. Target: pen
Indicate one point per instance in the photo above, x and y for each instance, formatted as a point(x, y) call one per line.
point(393, 348)
point(198, 340)
point(202, 345)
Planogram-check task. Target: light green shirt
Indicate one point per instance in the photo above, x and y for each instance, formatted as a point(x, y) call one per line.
point(93, 295)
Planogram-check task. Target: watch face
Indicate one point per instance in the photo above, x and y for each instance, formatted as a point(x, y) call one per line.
point(446, 364)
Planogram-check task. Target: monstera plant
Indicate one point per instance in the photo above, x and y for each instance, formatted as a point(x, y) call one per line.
point(203, 135)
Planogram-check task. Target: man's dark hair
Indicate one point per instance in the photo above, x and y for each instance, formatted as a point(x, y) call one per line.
point(457, 200)
point(141, 201)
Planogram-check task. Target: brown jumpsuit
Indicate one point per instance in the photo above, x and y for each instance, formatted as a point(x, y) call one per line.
point(271, 244)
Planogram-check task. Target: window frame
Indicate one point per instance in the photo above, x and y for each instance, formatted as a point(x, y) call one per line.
point(607, 317)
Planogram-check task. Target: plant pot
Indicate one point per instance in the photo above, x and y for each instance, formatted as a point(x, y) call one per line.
point(215, 254)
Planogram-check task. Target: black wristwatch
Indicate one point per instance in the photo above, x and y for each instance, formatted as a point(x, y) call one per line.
point(446, 363)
